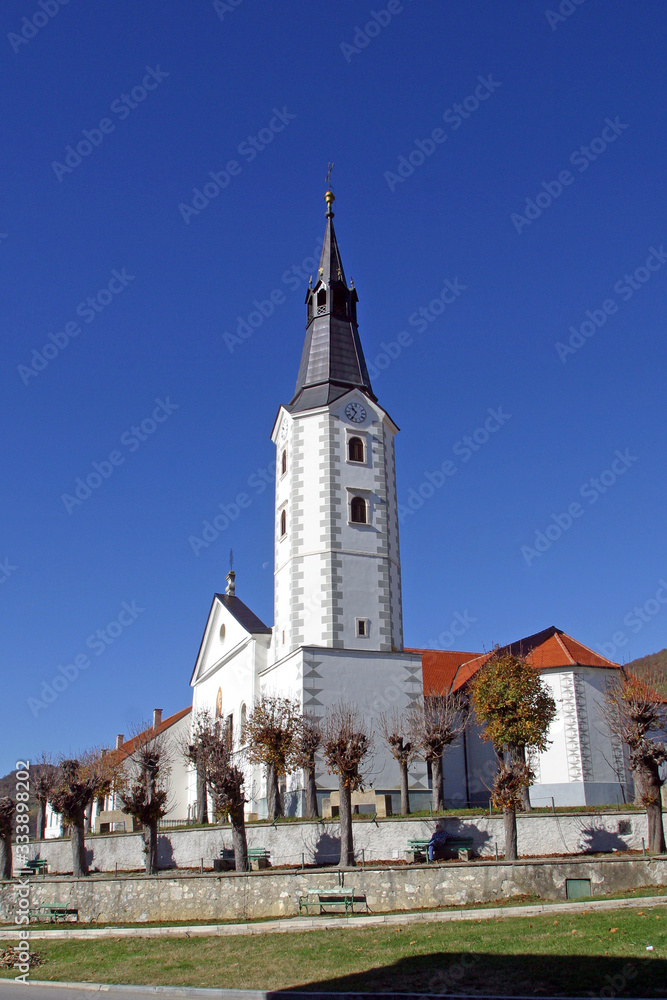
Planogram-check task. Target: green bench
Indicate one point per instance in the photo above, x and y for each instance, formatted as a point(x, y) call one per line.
point(54, 913)
point(417, 850)
point(461, 846)
point(258, 857)
point(325, 899)
point(38, 866)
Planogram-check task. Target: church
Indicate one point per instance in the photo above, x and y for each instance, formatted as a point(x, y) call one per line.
point(337, 633)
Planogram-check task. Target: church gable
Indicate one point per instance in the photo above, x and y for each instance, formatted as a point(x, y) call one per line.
point(230, 624)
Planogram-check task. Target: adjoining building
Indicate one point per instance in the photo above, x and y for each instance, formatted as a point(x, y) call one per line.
point(105, 814)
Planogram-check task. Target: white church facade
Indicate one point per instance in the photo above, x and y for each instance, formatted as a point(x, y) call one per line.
point(338, 626)
point(338, 621)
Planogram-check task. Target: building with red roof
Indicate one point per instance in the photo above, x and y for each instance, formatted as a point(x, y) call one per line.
point(582, 765)
point(106, 815)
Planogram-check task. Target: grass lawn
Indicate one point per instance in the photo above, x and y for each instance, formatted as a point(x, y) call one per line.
point(582, 954)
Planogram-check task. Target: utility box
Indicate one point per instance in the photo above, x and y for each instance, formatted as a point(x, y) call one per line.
point(578, 888)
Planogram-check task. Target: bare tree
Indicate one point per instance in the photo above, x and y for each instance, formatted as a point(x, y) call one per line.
point(43, 776)
point(436, 722)
point(194, 748)
point(7, 810)
point(143, 788)
point(271, 734)
point(308, 741)
point(637, 714)
point(396, 732)
point(516, 709)
point(77, 782)
point(226, 781)
point(345, 743)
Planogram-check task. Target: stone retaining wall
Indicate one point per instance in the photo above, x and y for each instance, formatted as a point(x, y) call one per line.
point(132, 898)
point(382, 840)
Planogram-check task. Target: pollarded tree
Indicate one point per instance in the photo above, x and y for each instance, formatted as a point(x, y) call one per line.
point(77, 782)
point(271, 734)
point(226, 781)
point(346, 742)
point(143, 787)
point(7, 810)
point(308, 741)
point(636, 714)
point(42, 776)
point(436, 722)
point(515, 708)
point(395, 731)
point(194, 747)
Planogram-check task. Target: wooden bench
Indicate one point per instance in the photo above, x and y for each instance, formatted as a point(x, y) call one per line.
point(38, 866)
point(258, 858)
point(225, 862)
point(324, 899)
point(461, 846)
point(417, 850)
point(55, 912)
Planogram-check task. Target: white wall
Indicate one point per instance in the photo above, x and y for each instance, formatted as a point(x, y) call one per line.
point(538, 835)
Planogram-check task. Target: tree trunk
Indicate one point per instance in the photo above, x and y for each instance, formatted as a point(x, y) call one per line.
point(311, 792)
point(509, 818)
point(639, 788)
point(273, 800)
point(40, 820)
point(652, 799)
point(525, 799)
point(150, 847)
point(405, 791)
point(345, 816)
point(202, 797)
point(99, 807)
point(656, 832)
point(438, 789)
point(6, 857)
point(79, 862)
point(239, 842)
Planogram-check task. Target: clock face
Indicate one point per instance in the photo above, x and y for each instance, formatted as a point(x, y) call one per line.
point(355, 412)
point(283, 431)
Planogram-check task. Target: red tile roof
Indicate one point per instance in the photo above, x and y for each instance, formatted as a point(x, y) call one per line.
point(445, 670)
point(439, 668)
point(129, 746)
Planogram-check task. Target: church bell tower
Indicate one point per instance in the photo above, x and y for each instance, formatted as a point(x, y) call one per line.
point(337, 561)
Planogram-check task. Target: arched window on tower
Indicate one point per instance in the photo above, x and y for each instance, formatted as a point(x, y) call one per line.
point(358, 510)
point(283, 523)
point(283, 462)
point(340, 303)
point(355, 449)
point(321, 301)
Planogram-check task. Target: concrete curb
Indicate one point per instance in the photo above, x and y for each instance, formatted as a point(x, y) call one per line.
point(221, 994)
point(297, 925)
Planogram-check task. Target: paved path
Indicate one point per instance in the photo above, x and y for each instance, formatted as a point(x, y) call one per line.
point(297, 925)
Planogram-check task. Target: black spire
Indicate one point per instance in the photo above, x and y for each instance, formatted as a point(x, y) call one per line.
point(332, 362)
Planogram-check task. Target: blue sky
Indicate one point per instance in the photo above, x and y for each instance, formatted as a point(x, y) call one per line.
point(500, 167)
